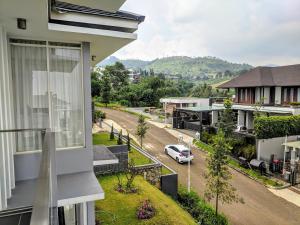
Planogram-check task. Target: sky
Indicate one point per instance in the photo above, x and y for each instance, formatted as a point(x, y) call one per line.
point(258, 32)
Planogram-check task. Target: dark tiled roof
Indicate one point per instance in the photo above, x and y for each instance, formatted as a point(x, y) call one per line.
point(67, 7)
point(267, 76)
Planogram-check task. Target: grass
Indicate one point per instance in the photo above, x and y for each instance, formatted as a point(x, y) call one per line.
point(252, 173)
point(165, 171)
point(103, 139)
point(138, 158)
point(120, 209)
point(133, 113)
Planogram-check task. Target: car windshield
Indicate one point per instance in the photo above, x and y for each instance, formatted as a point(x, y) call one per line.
point(186, 152)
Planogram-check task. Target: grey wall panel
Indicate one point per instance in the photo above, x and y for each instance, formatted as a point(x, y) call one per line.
point(67, 161)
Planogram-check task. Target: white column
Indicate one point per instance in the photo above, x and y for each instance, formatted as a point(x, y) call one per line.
point(266, 95)
point(7, 181)
point(214, 118)
point(249, 120)
point(278, 95)
point(257, 94)
point(241, 118)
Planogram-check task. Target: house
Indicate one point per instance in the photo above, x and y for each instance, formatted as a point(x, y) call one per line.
point(47, 49)
point(134, 77)
point(171, 103)
point(266, 89)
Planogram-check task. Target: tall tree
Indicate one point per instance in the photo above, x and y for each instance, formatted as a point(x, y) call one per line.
point(106, 89)
point(141, 129)
point(218, 175)
point(226, 121)
point(118, 75)
point(95, 84)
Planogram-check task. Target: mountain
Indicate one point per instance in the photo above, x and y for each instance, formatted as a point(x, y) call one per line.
point(128, 63)
point(182, 65)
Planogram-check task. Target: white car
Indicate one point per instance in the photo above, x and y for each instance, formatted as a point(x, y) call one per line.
point(179, 152)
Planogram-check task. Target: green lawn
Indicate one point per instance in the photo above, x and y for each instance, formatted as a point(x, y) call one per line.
point(120, 209)
point(103, 139)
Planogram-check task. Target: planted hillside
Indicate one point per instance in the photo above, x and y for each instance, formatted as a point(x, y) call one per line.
point(276, 126)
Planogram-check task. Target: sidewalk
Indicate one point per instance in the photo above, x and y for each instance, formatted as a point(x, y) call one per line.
point(288, 195)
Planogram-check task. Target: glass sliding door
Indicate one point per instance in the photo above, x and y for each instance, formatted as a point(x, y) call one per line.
point(66, 96)
point(48, 92)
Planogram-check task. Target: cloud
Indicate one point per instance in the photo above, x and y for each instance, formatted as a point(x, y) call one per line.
point(253, 31)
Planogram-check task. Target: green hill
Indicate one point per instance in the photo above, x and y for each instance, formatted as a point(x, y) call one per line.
point(183, 65)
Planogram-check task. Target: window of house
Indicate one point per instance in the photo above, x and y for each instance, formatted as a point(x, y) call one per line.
point(48, 92)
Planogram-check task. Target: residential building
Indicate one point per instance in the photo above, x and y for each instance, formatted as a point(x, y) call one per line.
point(266, 89)
point(47, 49)
point(171, 103)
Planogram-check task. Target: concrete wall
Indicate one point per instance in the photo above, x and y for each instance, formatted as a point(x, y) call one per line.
point(121, 152)
point(266, 147)
point(257, 94)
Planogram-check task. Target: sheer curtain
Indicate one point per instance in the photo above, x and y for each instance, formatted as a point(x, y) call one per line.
point(29, 74)
point(48, 93)
point(66, 96)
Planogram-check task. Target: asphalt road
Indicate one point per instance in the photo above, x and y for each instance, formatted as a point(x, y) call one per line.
point(261, 207)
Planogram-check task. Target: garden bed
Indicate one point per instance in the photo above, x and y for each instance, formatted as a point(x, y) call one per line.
point(119, 208)
point(235, 165)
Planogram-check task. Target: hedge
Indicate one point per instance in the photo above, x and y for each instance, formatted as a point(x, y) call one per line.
point(199, 209)
point(276, 126)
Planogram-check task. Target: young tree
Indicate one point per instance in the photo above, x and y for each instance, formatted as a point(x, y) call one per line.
point(226, 122)
point(141, 129)
point(120, 141)
point(112, 136)
point(128, 141)
point(218, 174)
point(106, 89)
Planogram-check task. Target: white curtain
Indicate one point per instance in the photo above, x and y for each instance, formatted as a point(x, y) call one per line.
point(35, 87)
point(29, 74)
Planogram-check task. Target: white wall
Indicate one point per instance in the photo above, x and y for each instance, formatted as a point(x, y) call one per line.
point(241, 118)
point(7, 180)
point(277, 95)
point(266, 147)
point(257, 94)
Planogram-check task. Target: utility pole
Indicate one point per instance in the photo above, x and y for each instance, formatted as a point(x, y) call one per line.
point(189, 169)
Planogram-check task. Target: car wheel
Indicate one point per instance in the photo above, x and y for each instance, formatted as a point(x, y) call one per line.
point(177, 159)
point(166, 151)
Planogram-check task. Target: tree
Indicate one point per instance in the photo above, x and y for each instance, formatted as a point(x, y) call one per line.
point(141, 129)
point(106, 89)
point(120, 141)
point(226, 122)
point(218, 174)
point(118, 75)
point(112, 136)
point(128, 142)
point(95, 84)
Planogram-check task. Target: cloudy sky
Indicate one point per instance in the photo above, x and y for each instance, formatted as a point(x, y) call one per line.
point(258, 32)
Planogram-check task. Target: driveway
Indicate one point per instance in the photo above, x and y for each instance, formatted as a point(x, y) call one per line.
point(261, 206)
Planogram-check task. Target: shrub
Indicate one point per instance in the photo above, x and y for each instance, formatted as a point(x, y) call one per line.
point(112, 136)
point(120, 141)
point(276, 126)
point(248, 152)
point(295, 103)
point(199, 209)
point(99, 114)
point(146, 210)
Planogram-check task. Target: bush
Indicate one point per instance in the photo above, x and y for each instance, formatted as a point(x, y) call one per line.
point(276, 126)
point(295, 103)
point(248, 152)
point(199, 209)
point(145, 211)
point(99, 114)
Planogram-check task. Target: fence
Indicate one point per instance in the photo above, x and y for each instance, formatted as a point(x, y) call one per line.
point(168, 182)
